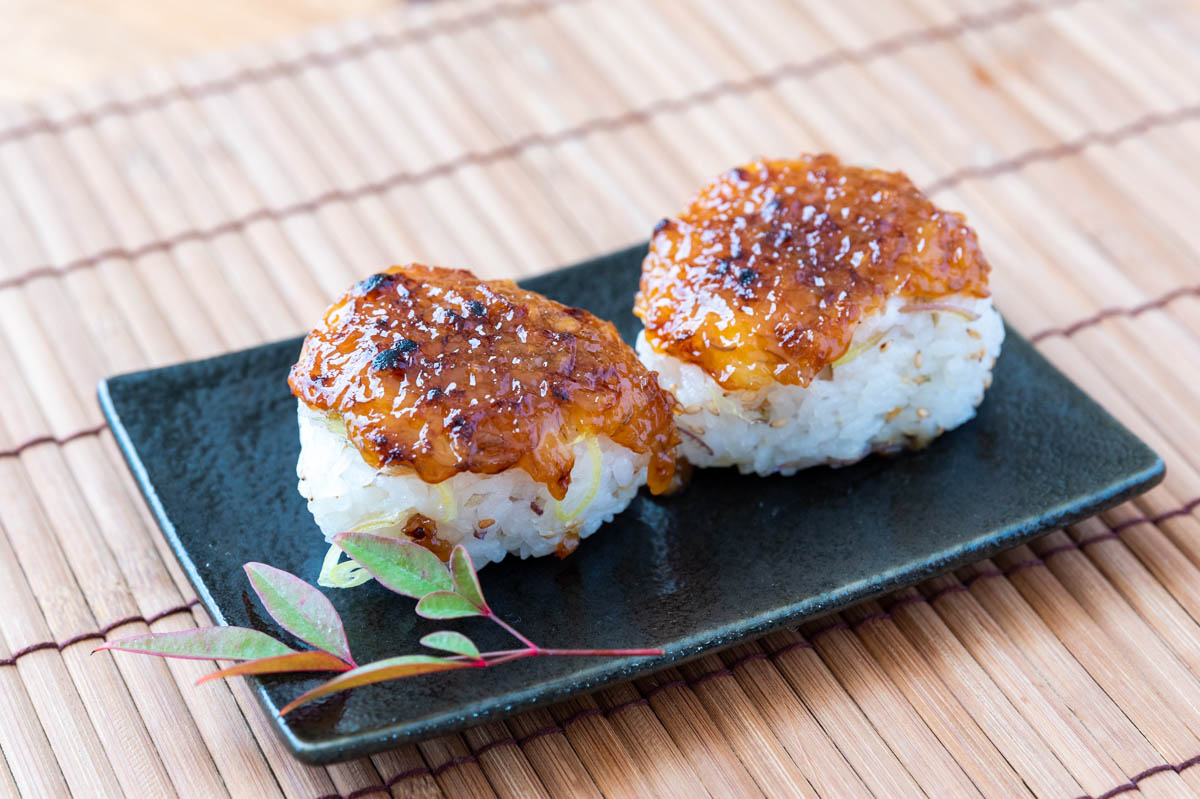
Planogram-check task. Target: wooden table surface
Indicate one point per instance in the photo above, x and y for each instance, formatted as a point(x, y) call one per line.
point(54, 44)
point(200, 207)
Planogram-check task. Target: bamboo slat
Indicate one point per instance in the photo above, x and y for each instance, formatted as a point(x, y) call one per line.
point(218, 203)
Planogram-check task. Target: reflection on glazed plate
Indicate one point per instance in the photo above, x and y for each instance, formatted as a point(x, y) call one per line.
point(213, 445)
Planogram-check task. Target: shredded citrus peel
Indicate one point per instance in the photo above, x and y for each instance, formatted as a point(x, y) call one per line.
point(858, 349)
point(346, 574)
point(945, 307)
point(593, 447)
point(449, 509)
point(376, 522)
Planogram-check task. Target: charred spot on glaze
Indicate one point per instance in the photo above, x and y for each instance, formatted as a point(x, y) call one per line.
point(396, 355)
point(369, 284)
point(433, 393)
point(462, 427)
point(476, 308)
point(560, 393)
point(746, 276)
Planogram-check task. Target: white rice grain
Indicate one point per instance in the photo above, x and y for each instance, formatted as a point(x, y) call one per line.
point(491, 515)
point(925, 374)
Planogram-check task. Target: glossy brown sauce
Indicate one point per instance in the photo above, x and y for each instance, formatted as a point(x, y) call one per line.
point(435, 370)
point(423, 530)
point(768, 271)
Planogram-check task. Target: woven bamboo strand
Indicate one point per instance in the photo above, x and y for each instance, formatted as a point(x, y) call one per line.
point(8, 785)
point(648, 742)
point(791, 722)
point(554, 220)
point(697, 736)
point(847, 723)
point(456, 772)
point(1079, 669)
point(500, 757)
point(943, 709)
point(94, 565)
point(600, 750)
point(75, 744)
point(918, 40)
point(52, 587)
point(551, 755)
point(24, 742)
point(763, 755)
point(1088, 750)
point(225, 260)
point(996, 692)
point(1092, 707)
point(189, 688)
point(132, 551)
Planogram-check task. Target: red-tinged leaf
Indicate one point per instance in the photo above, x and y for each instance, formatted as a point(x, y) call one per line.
point(466, 582)
point(204, 643)
point(401, 566)
point(295, 661)
point(450, 641)
point(300, 609)
point(380, 671)
point(446, 605)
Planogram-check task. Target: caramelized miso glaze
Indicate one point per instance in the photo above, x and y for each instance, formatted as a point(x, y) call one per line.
point(438, 371)
point(767, 273)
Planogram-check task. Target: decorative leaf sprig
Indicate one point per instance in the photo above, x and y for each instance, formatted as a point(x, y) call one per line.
point(442, 590)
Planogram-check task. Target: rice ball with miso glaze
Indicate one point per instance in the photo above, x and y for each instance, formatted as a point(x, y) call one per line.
point(448, 410)
point(805, 312)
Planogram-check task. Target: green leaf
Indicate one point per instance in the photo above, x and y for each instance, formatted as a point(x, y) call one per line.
point(401, 566)
point(451, 641)
point(300, 609)
point(466, 582)
point(380, 671)
point(294, 661)
point(446, 605)
point(204, 643)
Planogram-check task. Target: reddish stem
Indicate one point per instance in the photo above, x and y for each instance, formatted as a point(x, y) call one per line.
point(517, 655)
point(508, 628)
point(600, 652)
point(506, 655)
point(533, 650)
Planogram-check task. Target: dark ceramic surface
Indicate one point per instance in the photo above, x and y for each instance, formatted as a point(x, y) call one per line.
point(213, 445)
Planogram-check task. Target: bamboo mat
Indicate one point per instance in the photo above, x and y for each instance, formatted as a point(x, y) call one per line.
point(220, 203)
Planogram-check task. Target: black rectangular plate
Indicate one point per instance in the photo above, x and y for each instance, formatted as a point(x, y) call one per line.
point(213, 445)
